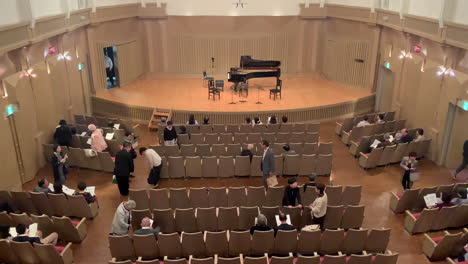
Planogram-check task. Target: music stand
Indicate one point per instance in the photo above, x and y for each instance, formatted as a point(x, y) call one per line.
point(232, 95)
point(258, 94)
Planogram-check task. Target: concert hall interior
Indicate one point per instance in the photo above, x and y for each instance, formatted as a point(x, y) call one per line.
point(180, 104)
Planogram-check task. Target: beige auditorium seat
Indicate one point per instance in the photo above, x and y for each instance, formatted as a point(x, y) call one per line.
point(299, 127)
point(203, 150)
point(285, 242)
point(70, 231)
point(297, 137)
point(325, 148)
point(197, 139)
point(360, 146)
point(269, 212)
point(7, 255)
point(42, 203)
point(76, 157)
point(5, 219)
point(312, 259)
point(333, 217)
point(346, 125)
point(232, 128)
point(274, 196)
point(286, 127)
point(282, 260)
point(355, 241)
point(291, 165)
point(159, 199)
point(185, 220)
point(22, 202)
point(334, 194)
point(324, 164)
point(226, 167)
point(370, 160)
point(183, 139)
point(334, 259)
point(388, 258)
point(273, 128)
point(331, 241)
point(137, 216)
point(307, 164)
point(217, 197)
point(270, 137)
point(281, 139)
point(45, 224)
point(420, 203)
point(263, 242)
point(311, 137)
point(169, 245)
point(140, 196)
point(420, 222)
point(172, 151)
point(210, 167)
point(159, 149)
point(225, 138)
point(239, 242)
point(443, 218)
point(254, 137)
point(459, 217)
point(309, 242)
point(240, 138)
point(256, 260)
point(279, 164)
point(193, 244)
point(377, 240)
point(178, 198)
point(441, 247)
point(217, 243)
point(353, 217)
point(403, 202)
point(164, 169)
point(237, 196)
point(245, 128)
point(206, 129)
point(242, 166)
point(295, 215)
point(255, 166)
point(297, 147)
point(25, 252)
point(423, 148)
point(193, 129)
point(310, 148)
point(198, 197)
point(206, 219)
point(351, 195)
point(218, 150)
point(187, 150)
point(359, 259)
point(228, 218)
point(444, 188)
point(232, 260)
point(176, 167)
point(387, 155)
point(211, 138)
point(145, 246)
point(22, 218)
point(194, 260)
point(247, 217)
point(399, 153)
point(60, 204)
point(233, 149)
point(80, 208)
point(165, 219)
point(48, 254)
point(308, 195)
point(255, 196)
point(106, 161)
point(219, 128)
point(113, 147)
point(353, 135)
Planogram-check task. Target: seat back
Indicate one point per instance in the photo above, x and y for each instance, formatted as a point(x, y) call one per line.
point(228, 218)
point(313, 259)
point(242, 166)
point(353, 217)
point(206, 219)
point(255, 166)
point(183, 139)
point(44, 223)
point(444, 248)
point(297, 137)
point(217, 197)
point(217, 243)
point(210, 167)
point(377, 240)
point(274, 196)
point(247, 217)
point(351, 195)
point(421, 203)
point(255, 196)
point(234, 260)
point(291, 165)
point(137, 216)
point(121, 247)
point(334, 194)
point(389, 258)
point(310, 148)
point(239, 242)
point(159, 199)
point(226, 166)
point(169, 245)
point(333, 217)
point(308, 242)
point(198, 197)
point(406, 201)
point(282, 260)
point(234, 149)
point(332, 241)
point(285, 242)
point(176, 167)
point(237, 196)
point(325, 148)
point(387, 155)
point(206, 129)
point(423, 222)
point(25, 252)
point(140, 196)
point(225, 138)
point(42, 204)
point(197, 139)
point(22, 202)
point(178, 198)
point(270, 212)
point(245, 128)
point(7, 255)
point(355, 241)
point(185, 220)
point(324, 164)
point(211, 138)
point(187, 150)
point(79, 207)
point(307, 164)
point(399, 152)
point(443, 218)
point(67, 231)
point(193, 244)
point(59, 204)
point(334, 259)
point(106, 161)
point(295, 215)
point(48, 254)
point(165, 219)
point(22, 218)
point(203, 150)
point(209, 260)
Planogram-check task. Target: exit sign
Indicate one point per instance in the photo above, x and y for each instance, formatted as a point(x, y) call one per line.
point(387, 65)
point(463, 104)
point(11, 109)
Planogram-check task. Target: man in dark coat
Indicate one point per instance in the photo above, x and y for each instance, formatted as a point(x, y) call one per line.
point(123, 168)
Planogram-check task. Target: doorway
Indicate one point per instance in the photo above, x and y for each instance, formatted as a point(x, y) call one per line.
point(384, 93)
point(111, 67)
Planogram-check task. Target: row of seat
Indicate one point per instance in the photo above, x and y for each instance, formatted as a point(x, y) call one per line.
point(104, 161)
point(191, 150)
point(182, 198)
point(68, 230)
point(348, 123)
point(387, 258)
point(413, 199)
point(448, 245)
point(24, 252)
point(246, 128)
point(101, 121)
point(233, 243)
point(49, 204)
point(243, 218)
point(436, 219)
point(393, 154)
point(240, 138)
point(365, 143)
point(374, 129)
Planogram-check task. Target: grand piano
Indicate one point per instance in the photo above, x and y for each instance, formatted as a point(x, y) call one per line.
point(250, 68)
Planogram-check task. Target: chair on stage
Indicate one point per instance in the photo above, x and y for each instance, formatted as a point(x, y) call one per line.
point(206, 78)
point(219, 84)
point(213, 91)
point(276, 90)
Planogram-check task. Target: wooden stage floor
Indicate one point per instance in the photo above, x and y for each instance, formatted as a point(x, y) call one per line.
point(188, 93)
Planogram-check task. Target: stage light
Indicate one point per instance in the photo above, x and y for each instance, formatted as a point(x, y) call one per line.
point(64, 56)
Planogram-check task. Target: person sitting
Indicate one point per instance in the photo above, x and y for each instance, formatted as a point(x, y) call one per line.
point(284, 119)
point(191, 121)
point(5, 232)
point(284, 224)
point(292, 194)
point(147, 229)
point(206, 120)
point(121, 221)
point(261, 224)
point(42, 186)
point(386, 142)
point(460, 197)
point(170, 135)
point(405, 136)
point(82, 191)
point(248, 151)
point(183, 130)
point(248, 121)
point(287, 151)
point(419, 135)
point(272, 120)
point(319, 206)
point(37, 238)
point(98, 143)
point(379, 119)
point(446, 201)
point(364, 122)
point(311, 182)
point(63, 134)
point(58, 188)
point(257, 121)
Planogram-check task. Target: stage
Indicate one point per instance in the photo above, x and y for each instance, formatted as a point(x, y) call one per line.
point(188, 94)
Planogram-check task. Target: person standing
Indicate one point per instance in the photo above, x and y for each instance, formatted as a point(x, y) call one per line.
point(109, 69)
point(267, 166)
point(63, 134)
point(123, 168)
point(170, 135)
point(409, 166)
point(465, 160)
point(122, 218)
point(319, 206)
point(155, 165)
point(59, 165)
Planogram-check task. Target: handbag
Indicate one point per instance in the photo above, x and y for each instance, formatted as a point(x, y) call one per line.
point(414, 176)
point(89, 153)
point(114, 179)
point(272, 181)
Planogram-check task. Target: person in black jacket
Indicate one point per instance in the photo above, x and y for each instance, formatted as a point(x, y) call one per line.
point(291, 194)
point(405, 136)
point(465, 159)
point(170, 135)
point(123, 168)
point(63, 134)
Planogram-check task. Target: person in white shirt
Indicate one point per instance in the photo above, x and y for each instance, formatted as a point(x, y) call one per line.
point(154, 164)
point(122, 218)
point(364, 122)
point(109, 69)
point(419, 135)
point(379, 119)
point(319, 206)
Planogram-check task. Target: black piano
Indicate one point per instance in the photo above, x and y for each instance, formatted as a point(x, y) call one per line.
point(250, 68)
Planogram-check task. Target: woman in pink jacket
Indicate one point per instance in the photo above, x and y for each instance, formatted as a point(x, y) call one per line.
point(98, 143)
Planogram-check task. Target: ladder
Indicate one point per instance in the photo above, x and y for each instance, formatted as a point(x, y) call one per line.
point(157, 117)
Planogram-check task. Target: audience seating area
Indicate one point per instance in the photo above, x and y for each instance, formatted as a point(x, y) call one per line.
point(24, 252)
point(82, 123)
point(442, 247)
point(308, 245)
point(347, 124)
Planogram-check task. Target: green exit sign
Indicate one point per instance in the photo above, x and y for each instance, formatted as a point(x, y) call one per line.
point(463, 104)
point(387, 65)
point(11, 109)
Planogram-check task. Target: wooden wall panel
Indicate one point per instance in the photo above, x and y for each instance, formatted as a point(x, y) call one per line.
point(10, 177)
point(130, 62)
point(59, 86)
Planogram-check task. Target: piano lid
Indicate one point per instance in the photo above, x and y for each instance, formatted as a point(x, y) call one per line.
point(248, 62)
